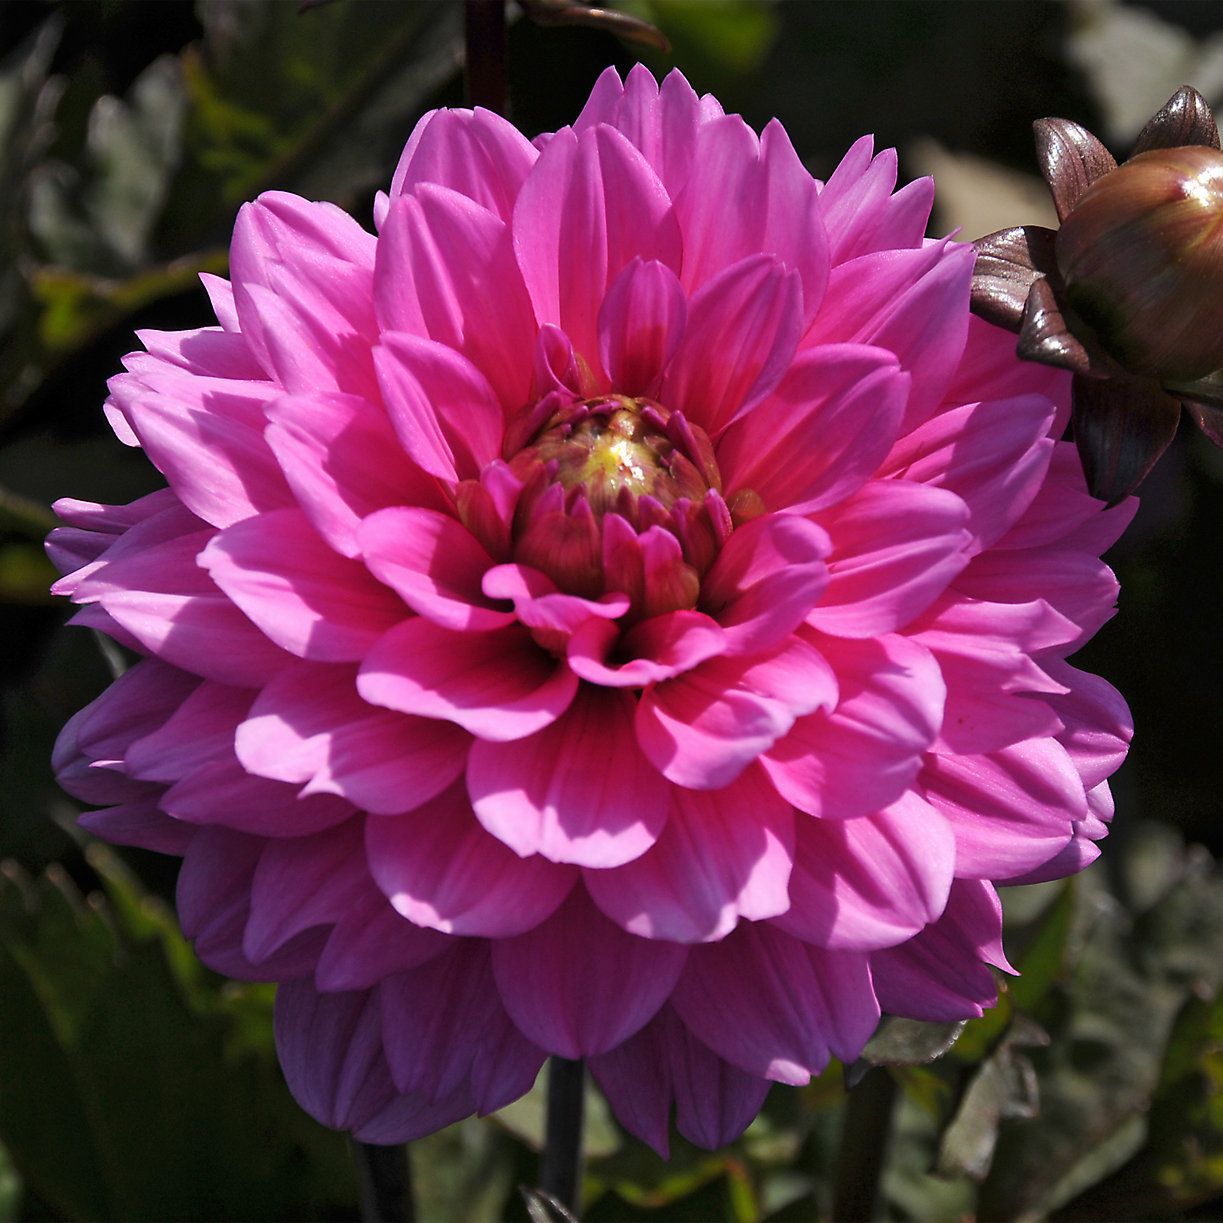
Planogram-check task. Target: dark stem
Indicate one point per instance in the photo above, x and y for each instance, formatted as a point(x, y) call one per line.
point(485, 67)
point(864, 1143)
point(384, 1183)
point(560, 1172)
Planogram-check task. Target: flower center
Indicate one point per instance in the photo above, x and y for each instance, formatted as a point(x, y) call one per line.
point(616, 450)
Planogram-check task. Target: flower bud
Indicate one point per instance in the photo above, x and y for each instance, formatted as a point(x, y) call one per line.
point(1142, 258)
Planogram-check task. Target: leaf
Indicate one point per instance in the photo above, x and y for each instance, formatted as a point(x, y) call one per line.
point(908, 1042)
point(544, 1208)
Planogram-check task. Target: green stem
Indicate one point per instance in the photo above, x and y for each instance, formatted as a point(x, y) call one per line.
point(384, 1183)
point(864, 1143)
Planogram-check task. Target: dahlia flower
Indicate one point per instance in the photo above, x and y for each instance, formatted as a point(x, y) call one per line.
point(619, 610)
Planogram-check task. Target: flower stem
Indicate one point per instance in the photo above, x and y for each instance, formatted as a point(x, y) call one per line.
point(864, 1146)
point(384, 1183)
point(485, 65)
point(560, 1171)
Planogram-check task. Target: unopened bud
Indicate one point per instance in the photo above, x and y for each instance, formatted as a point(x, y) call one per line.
point(1142, 257)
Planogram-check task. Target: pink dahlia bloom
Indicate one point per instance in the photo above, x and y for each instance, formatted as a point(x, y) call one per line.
point(618, 611)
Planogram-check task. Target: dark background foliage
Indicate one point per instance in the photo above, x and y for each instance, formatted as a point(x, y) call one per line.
point(136, 1085)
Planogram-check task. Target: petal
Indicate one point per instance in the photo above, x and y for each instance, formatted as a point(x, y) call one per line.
point(742, 329)
point(578, 791)
point(870, 882)
point(199, 730)
point(1011, 809)
point(862, 754)
point(774, 1006)
point(723, 855)
point(641, 321)
point(441, 260)
point(654, 649)
point(371, 941)
point(767, 578)
point(304, 596)
point(849, 396)
point(343, 461)
point(434, 564)
point(443, 408)
point(540, 605)
point(577, 985)
point(309, 725)
point(1097, 722)
point(141, 824)
point(895, 547)
point(441, 869)
point(590, 205)
point(497, 685)
point(702, 729)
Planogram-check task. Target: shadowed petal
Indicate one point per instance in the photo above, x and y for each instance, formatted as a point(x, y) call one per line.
point(1071, 159)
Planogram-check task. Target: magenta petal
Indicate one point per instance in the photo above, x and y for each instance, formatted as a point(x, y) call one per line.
point(640, 325)
point(309, 725)
point(768, 576)
point(442, 259)
point(723, 855)
point(850, 396)
point(941, 975)
point(590, 205)
point(702, 729)
point(539, 604)
point(742, 329)
point(302, 882)
point(434, 564)
point(223, 793)
point(141, 824)
point(476, 153)
point(870, 882)
point(864, 753)
point(577, 985)
point(774, 1006)
point(442, 406)
point(303, 595)
point(498, 685)
point(895, 547)
point(197, 732)
point(343, 461)
point(371, 941)
point(578, 791)
point(1097, 722)
point(441, 869)
point(664, 1062)
point(1011, 809)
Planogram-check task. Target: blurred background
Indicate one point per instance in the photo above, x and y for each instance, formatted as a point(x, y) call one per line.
point(136, 1085)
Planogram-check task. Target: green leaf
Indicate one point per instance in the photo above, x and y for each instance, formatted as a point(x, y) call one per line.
point(909, 1042)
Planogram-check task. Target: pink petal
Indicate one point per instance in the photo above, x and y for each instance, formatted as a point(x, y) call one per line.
point(441, 260)
point(205, 436)
point(850, 396)
point(865, 752)
point(441, 869)
point(309, 725)
point(443, 408)
point(434, 564)
point(141, 824)
point(869, 882)
point(992, 455)
point(1098, 725)
point(497, 685)
point(776, 1007)
point(722, 856)
point(702, 729)
point(767, 578)
point(540, 605)
point(641, 321)
point(1011, 809)
point(343, 461)
point(578, 791)
point(747, 196)
point(895, 547)
point(476, 153)
point(577, 985)
point(942, 974)
point(742, 329)
point(590, 205)
point(654, 649)
point(305, 597)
